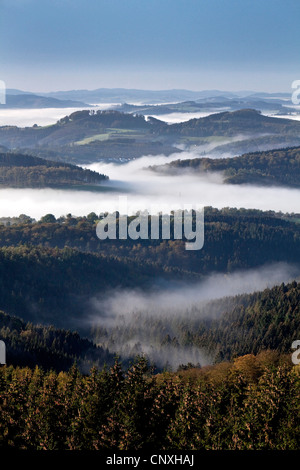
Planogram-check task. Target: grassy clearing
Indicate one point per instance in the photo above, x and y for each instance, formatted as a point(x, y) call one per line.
point(93, 138)
point(110, 134)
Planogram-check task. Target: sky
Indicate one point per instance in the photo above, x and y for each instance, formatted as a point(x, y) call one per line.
point(50, 45)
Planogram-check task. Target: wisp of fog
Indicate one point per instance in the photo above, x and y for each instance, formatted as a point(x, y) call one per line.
point(134, 321)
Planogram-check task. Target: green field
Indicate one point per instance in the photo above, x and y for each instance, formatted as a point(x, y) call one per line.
point(111, 134)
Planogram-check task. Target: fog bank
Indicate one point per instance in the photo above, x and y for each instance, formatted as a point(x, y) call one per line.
point(145, 188)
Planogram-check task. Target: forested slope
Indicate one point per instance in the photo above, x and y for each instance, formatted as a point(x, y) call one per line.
point(26, 171)
point(273, 167)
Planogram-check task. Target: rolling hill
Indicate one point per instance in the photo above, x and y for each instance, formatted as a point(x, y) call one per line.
point(87, 135)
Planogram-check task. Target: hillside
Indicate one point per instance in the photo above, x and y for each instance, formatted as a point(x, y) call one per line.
point(273, 167)
point(221, 329)
point(265, 320)
point(26, 171)
point(53, 286)
point(48, 347)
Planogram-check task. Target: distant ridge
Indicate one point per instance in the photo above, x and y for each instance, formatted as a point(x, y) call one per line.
point(30, 101)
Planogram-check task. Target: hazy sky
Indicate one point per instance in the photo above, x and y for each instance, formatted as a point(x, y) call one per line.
point(155, 44)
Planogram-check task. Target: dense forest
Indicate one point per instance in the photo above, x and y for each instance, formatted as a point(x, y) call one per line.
point(280, 167)
point(234, 239)
point(26, 171)
point(251, 403)
point(48, 347)
point(52, 286)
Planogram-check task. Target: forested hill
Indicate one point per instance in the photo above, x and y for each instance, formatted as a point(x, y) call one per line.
point(48, 347)
point(264, 320)
point(279, 167)
point(224, 328)
point(76, 127)
point(244, 121)
point(86, 124)
point(53, 286)
point(23, 171)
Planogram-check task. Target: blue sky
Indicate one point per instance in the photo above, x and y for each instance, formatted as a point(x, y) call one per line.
point(156, 44)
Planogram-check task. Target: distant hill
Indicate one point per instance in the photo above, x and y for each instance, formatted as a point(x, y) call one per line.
point(30, 101)
point(123, 95)
point(115, 133)
point(244, 121)
point(71, 129)
point(82, 124)
point(217, 104)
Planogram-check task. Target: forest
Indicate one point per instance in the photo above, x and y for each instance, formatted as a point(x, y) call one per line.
point(234, 239)
point(50, 348)
point(51, 269)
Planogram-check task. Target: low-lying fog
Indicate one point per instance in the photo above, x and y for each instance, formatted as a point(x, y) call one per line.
point(173, 118)
point(134, 322)
point(47, 116)
point(145, 188)
point(29, 117)
point(175, 298)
